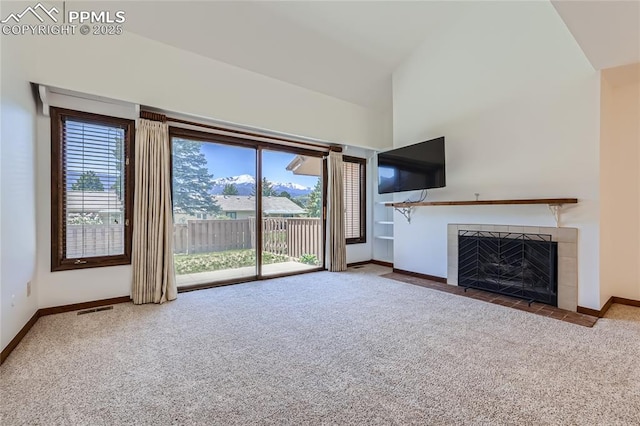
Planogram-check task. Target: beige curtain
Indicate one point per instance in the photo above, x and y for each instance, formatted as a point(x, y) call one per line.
point(337, 246)
point(153, 274)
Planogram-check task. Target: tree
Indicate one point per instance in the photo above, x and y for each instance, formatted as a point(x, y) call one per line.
point(230, 189)
point(88, 181)
point(298, 201)
point(301, 201)
point(267, 189)
point(191, 179)
point(314, 203)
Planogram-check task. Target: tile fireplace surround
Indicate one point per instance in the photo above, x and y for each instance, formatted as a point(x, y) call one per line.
point(567, 239)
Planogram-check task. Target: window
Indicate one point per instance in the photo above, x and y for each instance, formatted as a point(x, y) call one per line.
point(91, 190)
point(354, 199)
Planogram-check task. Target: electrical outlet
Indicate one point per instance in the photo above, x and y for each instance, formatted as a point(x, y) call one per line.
point(29, 289)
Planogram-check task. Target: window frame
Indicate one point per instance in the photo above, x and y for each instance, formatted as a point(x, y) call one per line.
point(59, 260)
point(362, 238)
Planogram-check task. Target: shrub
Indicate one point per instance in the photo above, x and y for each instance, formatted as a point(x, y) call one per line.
point(84, 219)
point(309, 259)
point(207, 262)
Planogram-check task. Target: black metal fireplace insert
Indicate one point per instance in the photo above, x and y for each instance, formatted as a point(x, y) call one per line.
point(514, 264)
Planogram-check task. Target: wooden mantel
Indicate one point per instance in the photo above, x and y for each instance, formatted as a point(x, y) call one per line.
point(554, 204)
point(547, 201)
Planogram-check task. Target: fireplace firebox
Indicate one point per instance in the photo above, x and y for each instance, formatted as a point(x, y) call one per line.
point(514, 264)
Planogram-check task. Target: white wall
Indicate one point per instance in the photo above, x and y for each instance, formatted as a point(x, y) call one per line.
point(132, 68)
point(620, 183)
point(518, 104)
point(66, 287)
point(17, 199)
point(135, 69)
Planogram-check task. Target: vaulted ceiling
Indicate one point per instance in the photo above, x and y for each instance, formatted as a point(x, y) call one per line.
point(349, 49)
point(607, 31)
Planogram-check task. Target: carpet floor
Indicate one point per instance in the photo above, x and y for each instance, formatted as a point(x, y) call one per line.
point(323, 348)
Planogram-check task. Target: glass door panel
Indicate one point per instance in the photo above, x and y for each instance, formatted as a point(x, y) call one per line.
point(292, 223)
point(214, 210)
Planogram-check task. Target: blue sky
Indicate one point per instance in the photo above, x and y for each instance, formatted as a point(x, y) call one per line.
point(227, 160)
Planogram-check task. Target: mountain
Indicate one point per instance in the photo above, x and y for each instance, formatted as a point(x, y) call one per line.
point(246, 183)
point(294, 189)
point(237, 180)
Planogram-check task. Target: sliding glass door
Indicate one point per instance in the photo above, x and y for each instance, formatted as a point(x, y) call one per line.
point(292, 224)
point(242, 211)
point(214, 210)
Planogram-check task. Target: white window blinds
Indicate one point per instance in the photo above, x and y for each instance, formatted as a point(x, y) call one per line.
point(353, 200)
point(94, 174)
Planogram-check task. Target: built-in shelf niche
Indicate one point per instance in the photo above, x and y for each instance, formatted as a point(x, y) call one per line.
point(383, 226)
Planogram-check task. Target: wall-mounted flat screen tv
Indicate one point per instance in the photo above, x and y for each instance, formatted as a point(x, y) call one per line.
point(413, 167)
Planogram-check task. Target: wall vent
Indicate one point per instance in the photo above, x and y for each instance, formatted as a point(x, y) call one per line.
point(90, 311)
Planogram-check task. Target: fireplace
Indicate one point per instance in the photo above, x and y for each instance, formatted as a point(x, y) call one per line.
point(522, 265)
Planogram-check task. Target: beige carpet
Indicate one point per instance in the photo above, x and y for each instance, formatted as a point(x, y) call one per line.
point(324, 348)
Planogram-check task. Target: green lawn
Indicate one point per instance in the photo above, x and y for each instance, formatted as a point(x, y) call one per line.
point(206, 262)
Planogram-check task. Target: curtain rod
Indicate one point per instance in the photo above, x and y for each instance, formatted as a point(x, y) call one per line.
point(154, 116)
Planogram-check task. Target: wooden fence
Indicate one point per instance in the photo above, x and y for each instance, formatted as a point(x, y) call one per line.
point(204, 236)
point(274, 235)
point(94, 240)
point(291, 237)
point(304, 236)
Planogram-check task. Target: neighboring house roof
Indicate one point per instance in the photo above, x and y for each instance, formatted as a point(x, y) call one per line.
point(270, 205)
point(305, 165)
point(93, 202)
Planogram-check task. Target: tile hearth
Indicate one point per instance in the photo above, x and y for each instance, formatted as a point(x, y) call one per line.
point(498, 299)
